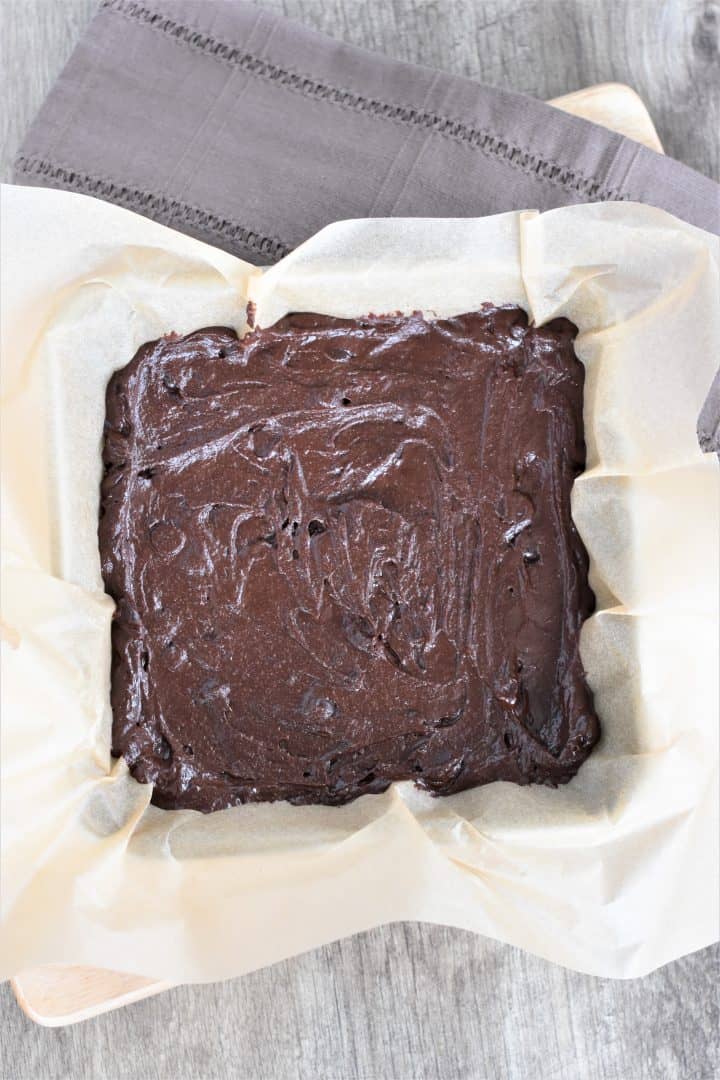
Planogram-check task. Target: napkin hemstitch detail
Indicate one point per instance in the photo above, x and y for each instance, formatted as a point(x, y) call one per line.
point(295, 82)
point(150, 204)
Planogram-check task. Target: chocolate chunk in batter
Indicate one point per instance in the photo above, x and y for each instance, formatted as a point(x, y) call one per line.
point(342, 555)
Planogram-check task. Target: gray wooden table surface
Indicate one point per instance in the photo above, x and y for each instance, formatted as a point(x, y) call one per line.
point(415, 1002)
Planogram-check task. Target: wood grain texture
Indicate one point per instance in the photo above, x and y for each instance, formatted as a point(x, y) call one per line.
point(36, 39)
point(416, 1002)
point(59, 994)
point(405, 1002)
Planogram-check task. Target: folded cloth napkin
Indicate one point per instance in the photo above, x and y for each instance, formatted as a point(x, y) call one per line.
point(251, 132)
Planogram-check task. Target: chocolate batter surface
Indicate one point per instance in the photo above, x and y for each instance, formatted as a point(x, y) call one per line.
point(342, 555)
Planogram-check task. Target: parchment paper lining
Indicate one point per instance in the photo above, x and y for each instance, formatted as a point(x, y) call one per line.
point(614, 874)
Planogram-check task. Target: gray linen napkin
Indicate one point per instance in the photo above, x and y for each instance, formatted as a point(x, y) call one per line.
point(251, 132)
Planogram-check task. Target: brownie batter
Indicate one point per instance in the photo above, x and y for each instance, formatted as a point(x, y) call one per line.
point(342, 555)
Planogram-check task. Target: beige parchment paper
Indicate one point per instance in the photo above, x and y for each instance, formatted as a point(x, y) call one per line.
point(614, 874)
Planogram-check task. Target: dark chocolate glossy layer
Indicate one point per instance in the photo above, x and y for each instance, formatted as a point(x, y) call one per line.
point(342, 555)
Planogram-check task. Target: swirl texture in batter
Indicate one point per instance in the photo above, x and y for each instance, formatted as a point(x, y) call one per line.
point(342, 555)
